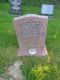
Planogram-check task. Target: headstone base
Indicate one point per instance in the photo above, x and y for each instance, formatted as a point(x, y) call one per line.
point(25, 52)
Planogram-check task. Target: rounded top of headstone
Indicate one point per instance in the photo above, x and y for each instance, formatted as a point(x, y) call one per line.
point(31, 15)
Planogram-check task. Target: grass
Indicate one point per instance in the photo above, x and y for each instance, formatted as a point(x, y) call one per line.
point(9, 45)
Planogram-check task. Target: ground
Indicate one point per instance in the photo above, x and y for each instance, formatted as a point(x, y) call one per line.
point(31, 65)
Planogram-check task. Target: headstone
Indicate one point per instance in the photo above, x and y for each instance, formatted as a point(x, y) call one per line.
point(47, 9)
point(31, 34)
point(15, 7)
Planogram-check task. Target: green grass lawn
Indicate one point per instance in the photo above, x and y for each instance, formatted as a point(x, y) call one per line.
point(32, 65)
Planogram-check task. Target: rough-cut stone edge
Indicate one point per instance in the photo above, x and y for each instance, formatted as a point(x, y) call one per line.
point(31, 15)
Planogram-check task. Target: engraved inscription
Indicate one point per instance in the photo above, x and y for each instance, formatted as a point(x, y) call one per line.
point(31, 29)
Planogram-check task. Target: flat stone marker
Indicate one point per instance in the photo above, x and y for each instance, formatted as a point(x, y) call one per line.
point(15, 7)
point(31, 32)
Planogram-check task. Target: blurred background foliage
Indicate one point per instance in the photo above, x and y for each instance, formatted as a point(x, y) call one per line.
point(36, 2)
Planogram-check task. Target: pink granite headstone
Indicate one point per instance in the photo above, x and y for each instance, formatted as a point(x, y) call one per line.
point(31, 32)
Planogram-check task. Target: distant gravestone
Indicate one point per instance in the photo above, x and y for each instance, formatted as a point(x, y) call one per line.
point(15, 7)
point(31, 34)
point(47, 9)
